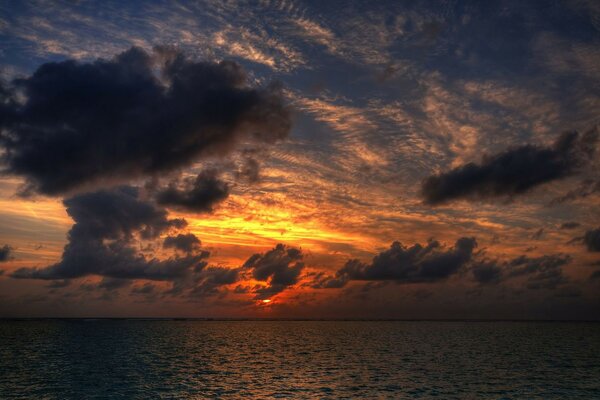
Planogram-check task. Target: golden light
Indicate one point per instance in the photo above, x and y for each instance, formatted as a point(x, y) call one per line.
point(266, 301)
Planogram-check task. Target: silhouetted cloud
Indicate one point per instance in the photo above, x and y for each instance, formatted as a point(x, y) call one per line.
point(84, 124)
point(512, 172)
point(5, 252)
point(487, 272)
point(592, 240)
point(542, 272)
point(185, 242)
point(539, 272)
point(280, 267)
point(416, 264)
point(198, 194)
point(211, 278)
point(102, 241)
point(570, 225)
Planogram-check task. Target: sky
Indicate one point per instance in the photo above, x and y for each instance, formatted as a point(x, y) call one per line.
point(300, 159)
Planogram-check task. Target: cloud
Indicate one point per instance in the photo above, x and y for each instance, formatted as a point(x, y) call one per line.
point(211, 278)
point(570, 225)
point(487, 272)
point(586, 188)
point(416, 264)
point(108, 226)
point(107, 284)
point(185, 242)
point(512, 172)
point(280, 267)
point(592, 240)
point(146, 289)
point(197, 195)
point(543, 272)
point(540, 272)
point(139, 114)
point(5, 252)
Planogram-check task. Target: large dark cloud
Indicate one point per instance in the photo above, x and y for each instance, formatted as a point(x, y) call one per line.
point(139, 114)
point(416, 264)
point(5, 252)
point(280, 267)
point(103, 241)
point(198, 194)
point(592, 240)
point(512, 172)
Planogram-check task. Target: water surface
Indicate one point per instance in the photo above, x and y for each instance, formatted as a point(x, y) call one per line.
point(129, 359)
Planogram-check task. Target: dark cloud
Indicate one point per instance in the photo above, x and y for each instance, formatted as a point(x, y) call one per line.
point(138, 114)
point(108, 226)
point(5, 252)
point(211, 279)
point(586, 188)
point(487, 272)
point(592, 240)
point(570, 225)
point(106, 284)
point(539, 272)
point(512, 172)
point(280, 267)
point(184, 242)
point(416, 264)
point(198, 194)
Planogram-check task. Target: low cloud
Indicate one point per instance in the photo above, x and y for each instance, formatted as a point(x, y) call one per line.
point(432, 262)
point(539, 272)
point(280, 267)
point(512, 172)
point(103, 241)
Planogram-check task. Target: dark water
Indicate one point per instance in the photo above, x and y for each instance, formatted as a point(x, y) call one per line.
point(298, 359)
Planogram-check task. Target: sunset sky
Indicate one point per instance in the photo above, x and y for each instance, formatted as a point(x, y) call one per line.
point(300, 159)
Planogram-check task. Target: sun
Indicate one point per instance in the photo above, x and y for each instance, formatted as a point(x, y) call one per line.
point(266, 301)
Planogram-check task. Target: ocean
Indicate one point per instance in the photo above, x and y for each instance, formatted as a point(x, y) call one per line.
point(195, 359)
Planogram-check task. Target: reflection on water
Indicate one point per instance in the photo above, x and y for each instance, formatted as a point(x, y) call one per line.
point(299, 359)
